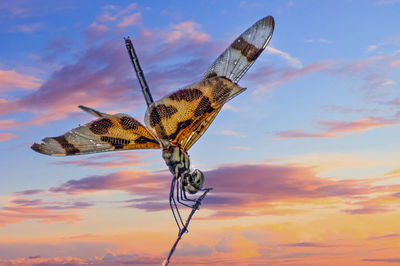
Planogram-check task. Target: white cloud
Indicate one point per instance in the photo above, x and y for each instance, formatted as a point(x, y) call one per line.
point(293, 61)
point(318, 40)
point(230, 133)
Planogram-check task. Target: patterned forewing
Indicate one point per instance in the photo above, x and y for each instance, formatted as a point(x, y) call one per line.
point(183, 116)
point(243, 52)
point(109, 133)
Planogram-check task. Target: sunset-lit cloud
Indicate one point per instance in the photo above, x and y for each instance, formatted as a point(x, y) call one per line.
point(276, 184)
point(10, 79)
point(338, 128)
point(286, 74)
point(6, 136)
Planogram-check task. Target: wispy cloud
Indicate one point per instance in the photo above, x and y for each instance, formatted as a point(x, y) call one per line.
point(6, 136)
point(240, 148)
point(267, 186)
point(230, 108)
point(230, 133)
point(130, 20)
point(384, 260)
point(389, 41)
point(11, 79)
point(317, 41)
point(29, 28)
point(102, 75)
point(387, 2)
point(284, 75)
point(188, 29)
point(294, 62)
point(338, 128)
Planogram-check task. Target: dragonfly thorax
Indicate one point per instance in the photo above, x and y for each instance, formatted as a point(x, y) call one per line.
point(176, 159)
point(178, 163)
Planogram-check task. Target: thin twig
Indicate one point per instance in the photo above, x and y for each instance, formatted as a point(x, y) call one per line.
point(139, 71)
point(183, 230)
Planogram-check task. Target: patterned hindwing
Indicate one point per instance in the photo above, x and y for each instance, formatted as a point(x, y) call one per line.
point(109, 133)
point(242, 53)
point(183, 116)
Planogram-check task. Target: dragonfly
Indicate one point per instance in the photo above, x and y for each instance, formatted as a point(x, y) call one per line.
point(175, 122)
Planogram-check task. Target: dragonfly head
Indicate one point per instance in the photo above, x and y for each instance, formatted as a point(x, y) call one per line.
point(193, 181)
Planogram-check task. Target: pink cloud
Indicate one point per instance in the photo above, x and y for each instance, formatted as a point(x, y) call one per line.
point(109, 259)
point(95, 31)
point(384, 260)
point(272, 77)
point(372, 71)
point(29, 28)
point(28, 192)
point(6, 136)
point(10, 79)
point(395, 63)
point(102, 76)
point(264, 184)
point(384, 236)
point(308, 244)
point(138, 182)
point(15, 9)
point(19, 214)
point(338, 128)
point(186, 29)
point(130, 20)
point(21, 209)
point(369, 210)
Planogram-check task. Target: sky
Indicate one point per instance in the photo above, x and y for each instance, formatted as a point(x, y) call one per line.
point(304, 164)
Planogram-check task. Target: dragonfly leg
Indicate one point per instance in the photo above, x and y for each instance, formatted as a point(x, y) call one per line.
point(173, 205)
point(179, 195)
point(185, 198)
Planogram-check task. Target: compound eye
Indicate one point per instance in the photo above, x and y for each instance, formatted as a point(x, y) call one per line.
point(193, 181)
point(197, 178)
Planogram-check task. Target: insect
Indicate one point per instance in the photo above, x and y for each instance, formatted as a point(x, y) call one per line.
point(175, 122)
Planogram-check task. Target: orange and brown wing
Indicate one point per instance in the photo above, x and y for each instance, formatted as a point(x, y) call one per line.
point(108, 133)
point(183, 116)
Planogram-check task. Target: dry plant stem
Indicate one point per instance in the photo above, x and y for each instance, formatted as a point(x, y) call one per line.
point(183, 230)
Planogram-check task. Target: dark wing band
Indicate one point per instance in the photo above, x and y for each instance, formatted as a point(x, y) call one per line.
point(242, 53)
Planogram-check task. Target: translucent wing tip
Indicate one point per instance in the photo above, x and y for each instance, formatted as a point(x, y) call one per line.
point(269, 23)
point(243, 52)
point(46, 148)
